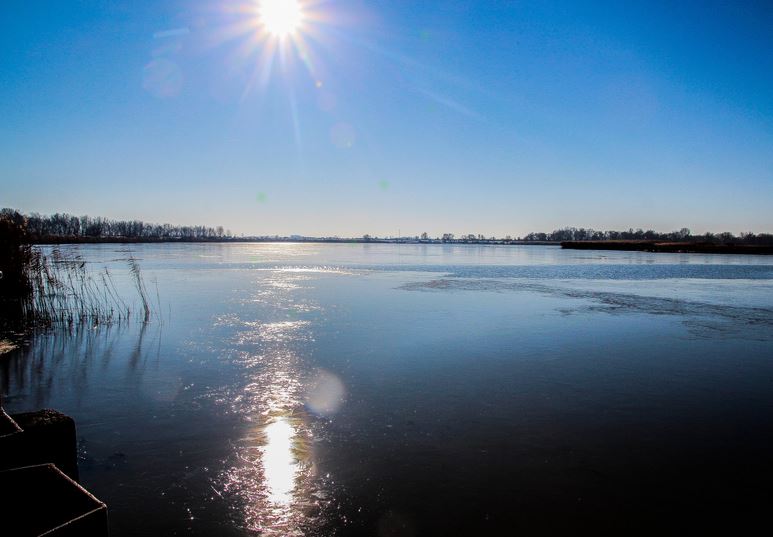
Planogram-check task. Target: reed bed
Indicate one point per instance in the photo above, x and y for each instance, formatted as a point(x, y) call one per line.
point(44, 287)
point(65, 290)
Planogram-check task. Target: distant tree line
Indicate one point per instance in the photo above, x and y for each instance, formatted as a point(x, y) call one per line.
point(63, 227)
point(67, 226)
point(683, 235)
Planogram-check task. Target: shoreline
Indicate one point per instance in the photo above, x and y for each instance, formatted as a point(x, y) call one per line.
point(130, 240)
point(653, 246)
point(670, 247)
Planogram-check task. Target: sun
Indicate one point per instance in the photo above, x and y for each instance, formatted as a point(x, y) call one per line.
point(280, 17)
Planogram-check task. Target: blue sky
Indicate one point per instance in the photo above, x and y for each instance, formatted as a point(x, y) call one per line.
point(488, 117)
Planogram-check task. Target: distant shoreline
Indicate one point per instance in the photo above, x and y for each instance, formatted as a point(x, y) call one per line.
point(670, 247)
point(620, 245)
point(133, 240)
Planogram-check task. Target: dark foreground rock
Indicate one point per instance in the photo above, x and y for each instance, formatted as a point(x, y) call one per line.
point(39, 492)
point(41, 500)
point(45, 436)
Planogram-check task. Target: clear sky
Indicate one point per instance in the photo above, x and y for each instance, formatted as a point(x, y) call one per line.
point(490, 117)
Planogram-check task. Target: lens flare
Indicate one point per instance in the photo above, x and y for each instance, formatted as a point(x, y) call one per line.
point(325, 394)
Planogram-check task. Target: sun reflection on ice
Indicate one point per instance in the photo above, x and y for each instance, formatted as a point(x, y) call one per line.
point(280, 466)
point(271, 478)
point(274, 477)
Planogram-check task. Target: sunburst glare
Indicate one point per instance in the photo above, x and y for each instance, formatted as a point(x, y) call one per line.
point(280, 17)
point(273, 36)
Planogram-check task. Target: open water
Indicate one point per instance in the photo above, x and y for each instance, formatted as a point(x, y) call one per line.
point(408, 390)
